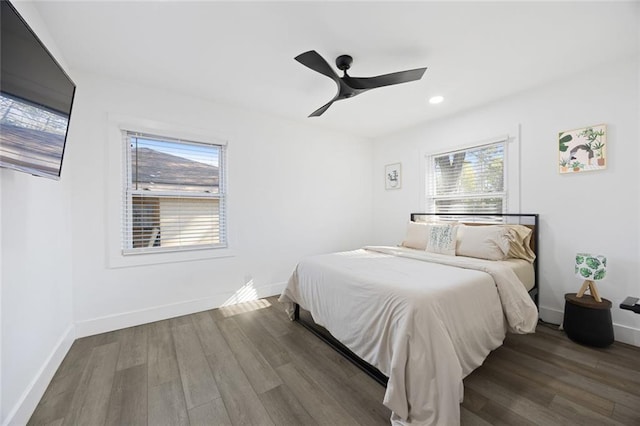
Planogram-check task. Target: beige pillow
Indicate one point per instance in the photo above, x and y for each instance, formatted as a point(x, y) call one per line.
point(519, 238)
point(484, 242)
point(416, 237)
point(442, 239)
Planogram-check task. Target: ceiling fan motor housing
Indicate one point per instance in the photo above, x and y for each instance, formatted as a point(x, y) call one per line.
point(343, 62)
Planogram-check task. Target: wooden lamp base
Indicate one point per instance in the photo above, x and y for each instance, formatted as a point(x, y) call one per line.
point(593, 290)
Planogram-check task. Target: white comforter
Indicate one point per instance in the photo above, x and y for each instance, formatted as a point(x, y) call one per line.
point(425, 320)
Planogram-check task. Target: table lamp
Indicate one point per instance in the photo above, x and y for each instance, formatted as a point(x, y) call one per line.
point(591, 268)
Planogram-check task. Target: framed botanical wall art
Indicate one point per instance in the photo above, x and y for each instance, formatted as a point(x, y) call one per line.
point(393, 176)
point(583, 150)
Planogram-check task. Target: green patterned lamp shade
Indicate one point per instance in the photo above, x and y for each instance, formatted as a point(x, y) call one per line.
point(591, 267)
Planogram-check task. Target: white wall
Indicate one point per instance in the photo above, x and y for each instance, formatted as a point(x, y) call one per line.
point(293, 191)
point(36, 276)
point(593, 211)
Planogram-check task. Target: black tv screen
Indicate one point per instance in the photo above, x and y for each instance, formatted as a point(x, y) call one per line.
point(36, 96)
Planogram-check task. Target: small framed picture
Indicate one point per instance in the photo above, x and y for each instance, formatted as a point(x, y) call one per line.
point(393, 176)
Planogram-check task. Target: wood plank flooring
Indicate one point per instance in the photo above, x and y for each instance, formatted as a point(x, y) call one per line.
point(249, 365)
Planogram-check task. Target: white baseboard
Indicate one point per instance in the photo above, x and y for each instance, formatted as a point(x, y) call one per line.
point(552, 316)
point(24, 408)
point(622, 333)
point(158, 313)
point(626, 334)
point(271, 290)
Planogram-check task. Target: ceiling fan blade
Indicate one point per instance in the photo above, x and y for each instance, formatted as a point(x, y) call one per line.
point(313, 60)
point(385, 79)
point(322, 109)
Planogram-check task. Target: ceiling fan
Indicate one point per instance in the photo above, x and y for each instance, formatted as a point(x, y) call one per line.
point(348, 86)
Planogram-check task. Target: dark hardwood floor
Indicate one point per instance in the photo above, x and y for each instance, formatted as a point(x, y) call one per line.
point(249, 365)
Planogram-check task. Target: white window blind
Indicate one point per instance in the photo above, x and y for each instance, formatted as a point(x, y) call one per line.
point(173, 197)
point(468, 181)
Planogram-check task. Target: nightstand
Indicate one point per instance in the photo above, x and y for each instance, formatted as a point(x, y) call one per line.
point(588, 321)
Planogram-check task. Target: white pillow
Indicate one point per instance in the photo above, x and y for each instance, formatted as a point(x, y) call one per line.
point(485, 242)
point(442, 239)
point(417, 234)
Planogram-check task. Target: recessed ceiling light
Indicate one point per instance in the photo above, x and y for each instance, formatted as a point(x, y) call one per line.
point(436, 99)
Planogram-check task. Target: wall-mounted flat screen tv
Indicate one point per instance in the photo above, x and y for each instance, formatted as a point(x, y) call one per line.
point(35, 100)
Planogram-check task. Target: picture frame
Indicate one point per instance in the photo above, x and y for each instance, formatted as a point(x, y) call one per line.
point(582, 150)
point(393, 176)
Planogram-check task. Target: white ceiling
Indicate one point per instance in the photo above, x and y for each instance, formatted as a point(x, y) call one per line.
point(242, 53)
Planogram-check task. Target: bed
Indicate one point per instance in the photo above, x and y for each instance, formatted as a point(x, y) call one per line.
point(421, 316)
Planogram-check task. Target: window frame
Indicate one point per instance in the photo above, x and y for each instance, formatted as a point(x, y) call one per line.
point(112, 171)
point(128, 193)
point(429, 175)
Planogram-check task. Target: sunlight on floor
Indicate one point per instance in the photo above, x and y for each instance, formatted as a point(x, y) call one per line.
point(243, 300)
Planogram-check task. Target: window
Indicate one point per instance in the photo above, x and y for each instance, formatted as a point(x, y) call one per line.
point(468, 181)
point(174, 196)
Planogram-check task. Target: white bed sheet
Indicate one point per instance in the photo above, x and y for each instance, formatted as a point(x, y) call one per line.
point(523, 270)
point(425, 320)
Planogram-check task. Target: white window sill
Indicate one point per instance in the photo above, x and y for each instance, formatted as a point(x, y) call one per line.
point(126, 261)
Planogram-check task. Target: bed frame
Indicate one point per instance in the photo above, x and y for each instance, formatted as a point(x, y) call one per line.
point(304, 318)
